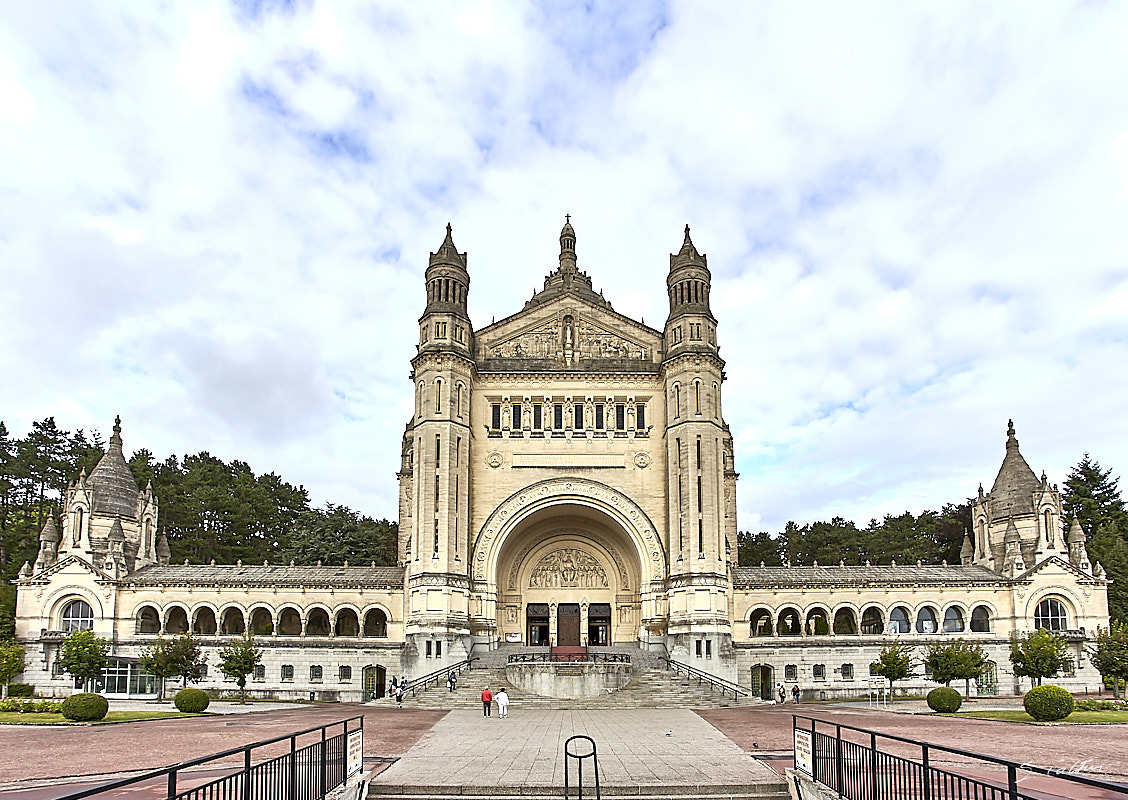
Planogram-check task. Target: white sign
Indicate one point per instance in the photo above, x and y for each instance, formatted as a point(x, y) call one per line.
point(803, 748)
point(355, 750)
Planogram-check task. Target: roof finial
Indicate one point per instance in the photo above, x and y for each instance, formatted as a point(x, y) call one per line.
point(567, 218)
point(116, 438)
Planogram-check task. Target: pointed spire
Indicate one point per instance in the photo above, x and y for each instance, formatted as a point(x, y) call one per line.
point(116, 533)
point(115, 440)
point(567, 246)
point(25, 570)
point(967, 552)
point(448, 253)
point(688, 255)
point(1076, 535)
point(50, 533)
point(163, 552)
point(1015, 485)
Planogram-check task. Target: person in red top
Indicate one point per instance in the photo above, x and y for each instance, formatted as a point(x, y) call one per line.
point(487, 698)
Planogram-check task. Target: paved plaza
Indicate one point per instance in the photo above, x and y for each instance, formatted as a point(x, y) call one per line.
point(636, 747)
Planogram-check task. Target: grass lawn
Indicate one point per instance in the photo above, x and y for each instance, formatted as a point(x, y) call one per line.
point(13, 718)
point(1081, 717)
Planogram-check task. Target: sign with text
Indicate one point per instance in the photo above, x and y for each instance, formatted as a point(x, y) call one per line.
point(355, 750)
point(803, 749)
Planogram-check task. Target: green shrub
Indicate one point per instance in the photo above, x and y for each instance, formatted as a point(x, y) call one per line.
point(1048, 703)
point(192, 701)
point(85, 707)
point(20, 705)
point(944, 699)
point(19, 690)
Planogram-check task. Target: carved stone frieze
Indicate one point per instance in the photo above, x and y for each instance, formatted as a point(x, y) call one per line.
point(439, 579)
point(620, 564)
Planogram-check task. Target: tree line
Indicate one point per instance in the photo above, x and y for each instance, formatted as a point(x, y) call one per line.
point(1090, 493)
point(209, 508)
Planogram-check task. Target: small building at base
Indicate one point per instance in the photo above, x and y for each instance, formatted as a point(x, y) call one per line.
point(566, 478)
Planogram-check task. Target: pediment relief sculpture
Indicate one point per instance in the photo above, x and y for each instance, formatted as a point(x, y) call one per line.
point(568, 568)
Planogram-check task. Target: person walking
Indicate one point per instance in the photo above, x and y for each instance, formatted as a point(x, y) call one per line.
point(502, 703)
point(452, 681)
point(487, 698)
point(782, 694)
point(399, 694)
point(393, 684)
point(794, 693)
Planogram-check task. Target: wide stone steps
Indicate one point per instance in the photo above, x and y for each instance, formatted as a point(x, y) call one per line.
point(766, 791)
point(649, 688)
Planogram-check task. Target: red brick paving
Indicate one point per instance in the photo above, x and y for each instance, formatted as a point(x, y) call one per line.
point(34, 752)
point(1101, 750)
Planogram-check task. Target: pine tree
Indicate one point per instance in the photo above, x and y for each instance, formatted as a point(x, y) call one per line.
point(1093, 497)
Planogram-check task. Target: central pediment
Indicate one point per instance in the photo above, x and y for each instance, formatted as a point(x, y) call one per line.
point(568, 332)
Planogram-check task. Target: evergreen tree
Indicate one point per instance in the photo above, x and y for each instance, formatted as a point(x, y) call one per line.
point(1092, 496)
point(11, 664)
point(752, 548)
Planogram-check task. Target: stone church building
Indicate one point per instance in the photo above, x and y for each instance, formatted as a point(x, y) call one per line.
point(567, 479)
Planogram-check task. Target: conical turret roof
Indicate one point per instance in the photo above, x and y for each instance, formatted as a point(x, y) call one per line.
point(1013, 491)
point(50, 532)
point(115, 490)
point(688, 255)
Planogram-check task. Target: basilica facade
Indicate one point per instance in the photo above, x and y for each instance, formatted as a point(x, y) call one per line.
point(566, 479)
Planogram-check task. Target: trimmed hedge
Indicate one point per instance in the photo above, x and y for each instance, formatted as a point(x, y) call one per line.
point(1048, 703)
point(192, 701)
point(22, 705)
point(19, 690)
point(944, 699)
point(85, 707)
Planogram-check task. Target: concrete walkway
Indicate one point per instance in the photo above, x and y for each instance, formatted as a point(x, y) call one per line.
point(636, 748)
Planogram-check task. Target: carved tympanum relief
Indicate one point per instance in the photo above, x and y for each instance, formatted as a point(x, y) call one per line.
point(568, 568)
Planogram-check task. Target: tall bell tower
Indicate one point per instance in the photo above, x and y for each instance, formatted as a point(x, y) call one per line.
point(702, 514)
point(434, 545)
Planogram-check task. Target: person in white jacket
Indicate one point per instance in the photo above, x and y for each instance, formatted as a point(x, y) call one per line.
point(502, 698)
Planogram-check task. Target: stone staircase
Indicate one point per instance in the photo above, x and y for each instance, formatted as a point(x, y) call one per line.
point(651, 686)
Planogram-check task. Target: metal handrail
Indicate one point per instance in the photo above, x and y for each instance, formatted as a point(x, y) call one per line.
point(926, 747)
point(433, 677)
point(172, 770)
point(714, 682)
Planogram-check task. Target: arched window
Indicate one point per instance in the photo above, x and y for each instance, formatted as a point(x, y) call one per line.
point(677, 400)
point(290, 622)
point(981, 619)
point(262, 622)
point(204, 624)
point(176, 621)
point(347, 623)
point(1050, 614)
point(760, 623)
point(789, 623)
point(78, 616)
point(844, 622)
point(317, 623)
point(873, 622)
point(953, 620)
point(233, 623)
point(816, 623)
point(76, 536)
point(458, 401)
point(376, 624)
point(899, 620)
point(438, 396)
point(926, 620)
point(1047, 521)
point(148, 621)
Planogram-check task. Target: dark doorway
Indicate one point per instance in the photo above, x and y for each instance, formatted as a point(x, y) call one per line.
point(599, 624)
point(374, 682)
point(536, 623)
point(762, 685)
point(568, 625)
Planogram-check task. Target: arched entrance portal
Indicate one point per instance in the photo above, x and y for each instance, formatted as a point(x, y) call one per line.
point(762, 683)
point(568, 563)
point(375, 680)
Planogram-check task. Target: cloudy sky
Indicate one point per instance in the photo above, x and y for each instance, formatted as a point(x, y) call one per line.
point(215, 219)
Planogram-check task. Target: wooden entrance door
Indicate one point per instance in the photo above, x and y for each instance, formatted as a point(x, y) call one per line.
point(568, 625)
point(373, 682)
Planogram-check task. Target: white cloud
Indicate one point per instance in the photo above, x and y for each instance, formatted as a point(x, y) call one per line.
point(215, 220)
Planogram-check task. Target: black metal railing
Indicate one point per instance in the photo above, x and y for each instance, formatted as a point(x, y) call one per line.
point(715, 683)
point(305, 772)
point(439, 675)
point(862, 764)
point(609, 658)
